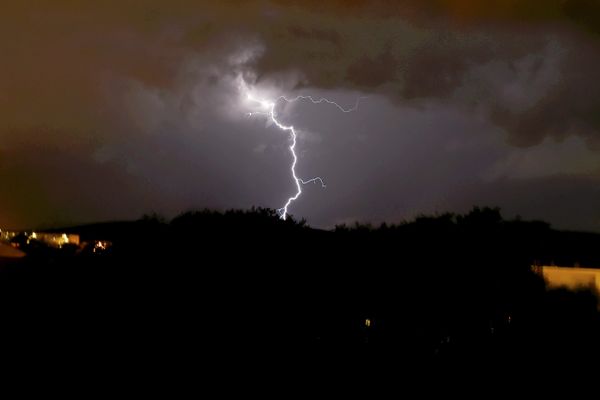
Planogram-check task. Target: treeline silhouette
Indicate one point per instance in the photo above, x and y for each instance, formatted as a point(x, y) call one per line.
point(434, 292)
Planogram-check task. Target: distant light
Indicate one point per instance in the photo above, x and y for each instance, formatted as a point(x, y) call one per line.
point(100, 246)
point(368, 323)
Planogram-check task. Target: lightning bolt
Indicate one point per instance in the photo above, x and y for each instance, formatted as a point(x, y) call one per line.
point(271, 113)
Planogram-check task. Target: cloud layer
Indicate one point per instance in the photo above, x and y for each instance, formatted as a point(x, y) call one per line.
point(142, 101)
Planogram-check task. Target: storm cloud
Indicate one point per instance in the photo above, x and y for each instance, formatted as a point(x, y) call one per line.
point(115, 109)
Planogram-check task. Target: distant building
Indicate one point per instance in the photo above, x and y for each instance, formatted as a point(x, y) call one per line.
point(7, 236)
point(21, 240)
point(56, 239)
point(51, 239)
point(570, 277)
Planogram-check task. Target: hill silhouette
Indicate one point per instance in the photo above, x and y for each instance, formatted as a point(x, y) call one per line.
point(430, 293)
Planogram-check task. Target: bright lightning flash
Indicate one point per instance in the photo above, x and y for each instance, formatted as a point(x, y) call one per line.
point(270, 107)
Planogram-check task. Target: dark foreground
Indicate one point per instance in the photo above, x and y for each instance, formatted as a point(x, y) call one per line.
point(241, 291)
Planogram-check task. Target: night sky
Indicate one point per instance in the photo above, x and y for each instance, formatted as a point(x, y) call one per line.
point(120, 108)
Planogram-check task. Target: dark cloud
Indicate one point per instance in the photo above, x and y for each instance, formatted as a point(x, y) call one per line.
point(584, 12)
point(381, 46)
point(524, 47)
point(143, 98)
point(373, 72)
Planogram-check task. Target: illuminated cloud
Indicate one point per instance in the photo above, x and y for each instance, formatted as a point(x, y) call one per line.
point(146, 94)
